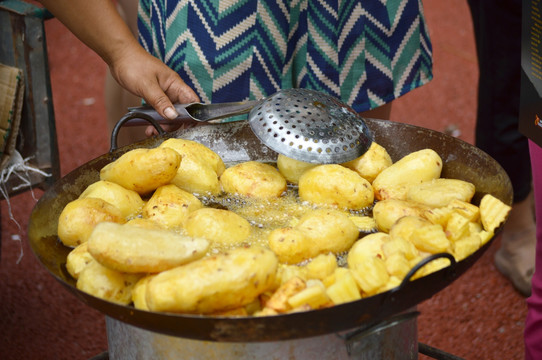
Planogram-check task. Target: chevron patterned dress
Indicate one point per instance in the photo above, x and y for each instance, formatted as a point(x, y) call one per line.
point(365, 52)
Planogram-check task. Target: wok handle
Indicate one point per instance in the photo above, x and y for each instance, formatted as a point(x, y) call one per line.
point(126, 118)
point(424, 262)
point(391, 297)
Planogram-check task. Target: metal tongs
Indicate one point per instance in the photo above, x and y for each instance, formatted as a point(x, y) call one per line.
point(215, 113)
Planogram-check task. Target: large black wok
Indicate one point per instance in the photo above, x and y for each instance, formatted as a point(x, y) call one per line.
point(236, 142)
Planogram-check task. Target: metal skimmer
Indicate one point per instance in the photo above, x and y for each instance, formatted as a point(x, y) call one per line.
point(310, 126)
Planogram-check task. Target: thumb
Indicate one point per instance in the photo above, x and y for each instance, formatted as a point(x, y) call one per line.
point(161, 103)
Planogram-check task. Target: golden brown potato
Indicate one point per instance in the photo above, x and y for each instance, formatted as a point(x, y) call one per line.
point(290, 244)
point(336, 186)
point(107, 284)
point(225, 281)
point(425, 236)
point(143, 170)
point(321, 266)
point(127, 201)
point(80, 216)
point(318, 232)
point(440, 192)
point(493, 212)
point(133, 249)
point(370, 245)
point(78, 259)
point(370, 272)
point(253, 179)
point(139, 293)
point(193, 149)
point(199, 169)
point(219, 226)
point(416, 167)
point(387, 212)
point(170, 206)
point(370, 164)
point(197, 177)
point(292, 169)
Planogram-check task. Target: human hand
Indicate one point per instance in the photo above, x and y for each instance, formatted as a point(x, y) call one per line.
point(148, 77)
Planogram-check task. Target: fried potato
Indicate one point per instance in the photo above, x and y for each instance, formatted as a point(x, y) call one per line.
point(290, 244)
point(321, 266)
point(369, 272)
point(107, 284)
point(197, 177)
point(312, 297)
point(318, 232)
point(440, 192)
point(425, 236)
point(225, 281)
point(414, 168)
point(196, 150)
point(78, 259)
point(170, 206)
point(279, 300)
point(397, 265)
point(343, 288)
point(370, 245)
point(218, 226)
point(328, 230)
point(143, 170)
point(292, 169)
point(370, 164)
point(387, 212)
point(139, 292)
point(402, 246)
point(80, 216)
point(493, 212)
point(133, 249)
point(253, 179)
point(336, 186)
point(127, 201)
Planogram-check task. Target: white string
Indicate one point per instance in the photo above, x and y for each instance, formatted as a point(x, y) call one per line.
point(19, 167)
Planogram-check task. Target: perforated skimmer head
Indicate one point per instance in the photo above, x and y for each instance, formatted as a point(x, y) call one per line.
point(310, 126)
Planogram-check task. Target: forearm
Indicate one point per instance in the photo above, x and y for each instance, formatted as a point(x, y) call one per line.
point(97, 24)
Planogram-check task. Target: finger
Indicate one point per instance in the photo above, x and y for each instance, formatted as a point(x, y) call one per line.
point(158, 99)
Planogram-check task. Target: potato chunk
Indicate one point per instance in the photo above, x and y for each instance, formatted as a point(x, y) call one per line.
point(218, 226)
point(78, 259)
point(416, 167)
point(370, 164)
point(127, 201)
point(225, 281)
point(79, 217)
point(440, 192)
point(107, 284)
point(253, 179)
point(336, 186)
point(170, 206)
point(387, 212)
point(190, 148)
point(292, 169)
point(143, 170)
point(200, 166)
point(133, 249)
point(317, 232)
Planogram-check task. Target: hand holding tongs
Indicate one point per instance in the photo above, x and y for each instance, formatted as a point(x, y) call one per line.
point(194, 111)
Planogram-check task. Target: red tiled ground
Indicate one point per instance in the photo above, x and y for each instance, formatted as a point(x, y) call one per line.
point(479, 316)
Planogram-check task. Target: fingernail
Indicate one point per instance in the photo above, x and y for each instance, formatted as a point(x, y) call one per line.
point(171, 113)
